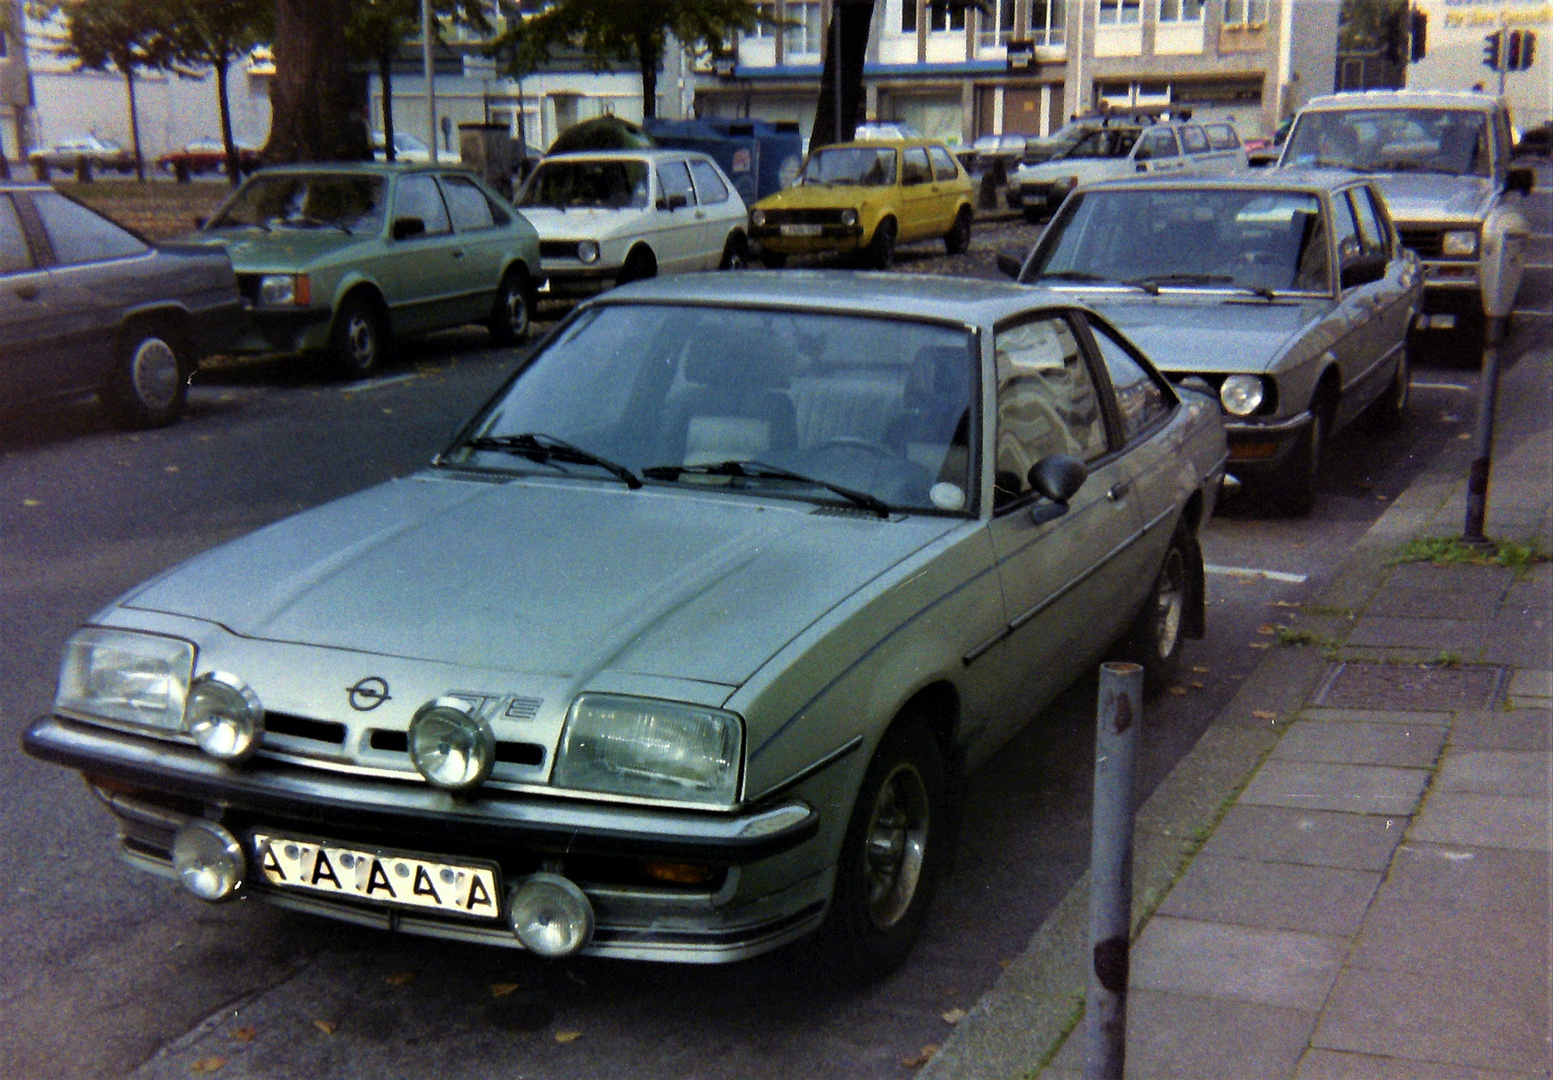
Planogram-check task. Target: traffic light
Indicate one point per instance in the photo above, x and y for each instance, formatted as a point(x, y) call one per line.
point(1528, 48)
point(1523, 46)
point(1418, 35)
point(1512, 51)
point(1492, 54)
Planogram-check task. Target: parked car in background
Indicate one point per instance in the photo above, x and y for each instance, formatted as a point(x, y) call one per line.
point(605, 217)
point(1123, 149)
point(87, 306)
point(989, 151)
point(744, 580)
point(866, 197)
point(407, 148)
point(886, 130)
point(98, 152)
point(1287, 292)
point(206, 156)
point(340, 259)
point(1444, 163)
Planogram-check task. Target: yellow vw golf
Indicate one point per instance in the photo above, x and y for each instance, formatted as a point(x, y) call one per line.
point(867, 197)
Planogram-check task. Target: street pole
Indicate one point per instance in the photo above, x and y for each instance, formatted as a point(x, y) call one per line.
point(1483, 437)
point(431, 87)
point(1118, 718)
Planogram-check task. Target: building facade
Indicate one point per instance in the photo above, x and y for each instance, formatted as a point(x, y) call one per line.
point(1457, 36)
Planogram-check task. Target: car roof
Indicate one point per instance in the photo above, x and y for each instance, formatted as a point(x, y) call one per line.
point(964, 301)
point(634, 153)
point(891, 143)
point(1405, 99)
point(370, 168)
point(1301, 179)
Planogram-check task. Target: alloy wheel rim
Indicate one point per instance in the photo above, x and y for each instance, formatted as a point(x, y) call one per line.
point(517, 311)
point(895, 845)
point(1170, 603)
point(362, 340)
point(154, 373)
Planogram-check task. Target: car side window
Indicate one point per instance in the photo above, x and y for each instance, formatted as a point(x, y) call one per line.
point(14, 254)
point(1344, 230)
point(1139, 397)
point(1222, 137)
point(79, 235)
point(417, 197)
point(914, 166)
point(1372, 234)
point(710, 188)
point(1158, 144)
point(943, 164)
point(1194, 139)
point(674, 179)
point(1047, 402)
point(467, 204)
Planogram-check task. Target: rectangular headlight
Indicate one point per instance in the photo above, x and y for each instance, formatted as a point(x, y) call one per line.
point(656, 749)
point(285, 290)
point(125, 676)
point(1460, 242)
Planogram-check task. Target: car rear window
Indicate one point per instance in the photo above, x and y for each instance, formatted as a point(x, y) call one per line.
point(78, 235)
point(709, 186)
point(467, 204)
point(1222, 137)
point(943, 164)
point(1194, 139)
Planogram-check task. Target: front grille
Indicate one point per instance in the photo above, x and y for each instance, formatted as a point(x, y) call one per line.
point(301, 727)
point(803, 217)
point(1425, 243)
point(248, 286)
point(558, 249)
point(507, 753)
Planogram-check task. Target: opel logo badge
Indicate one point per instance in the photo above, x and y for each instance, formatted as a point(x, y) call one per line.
point(368, 693)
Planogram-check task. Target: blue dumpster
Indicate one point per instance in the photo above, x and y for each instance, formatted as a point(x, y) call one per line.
point(759, 156)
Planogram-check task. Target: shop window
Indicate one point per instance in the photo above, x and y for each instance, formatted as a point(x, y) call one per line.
point(1119, 12)
point(1171, 11)
point(1046, 26)
point(1245, 14)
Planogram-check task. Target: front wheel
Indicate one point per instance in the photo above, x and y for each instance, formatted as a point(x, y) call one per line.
point(1294, 486)
point(736, 255)
point(357, 341)
point(881, 249)
point(639, 264)
point(150, 381)
point(890, 856)
point(510, 316)
point(773, 260)
point(1157, 635)
point(1389, 411)
point(958, 238)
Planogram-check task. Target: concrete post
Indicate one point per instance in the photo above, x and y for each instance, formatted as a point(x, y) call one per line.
point(1118, 719)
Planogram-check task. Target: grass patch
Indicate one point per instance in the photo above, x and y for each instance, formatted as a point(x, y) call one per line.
point(1288, 635)
point(1454, 551)
point(158, 211)
point(1326, 611)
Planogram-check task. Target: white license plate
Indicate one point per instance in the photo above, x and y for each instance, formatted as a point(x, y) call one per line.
point(800, 230)
point(322, 866)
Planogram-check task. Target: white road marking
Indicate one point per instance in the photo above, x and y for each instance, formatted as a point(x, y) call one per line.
point(1441, 386)
point(376, 384)
point(1270, 575)
point(1532, 313)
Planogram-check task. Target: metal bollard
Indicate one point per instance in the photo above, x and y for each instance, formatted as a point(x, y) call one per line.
point(1118, 719)
point(1483, 437)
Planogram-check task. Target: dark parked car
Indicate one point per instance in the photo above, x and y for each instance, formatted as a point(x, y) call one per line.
point(208, 155)
point(88, 306)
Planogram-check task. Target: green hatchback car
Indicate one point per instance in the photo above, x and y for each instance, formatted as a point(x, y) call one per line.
point(342, 258)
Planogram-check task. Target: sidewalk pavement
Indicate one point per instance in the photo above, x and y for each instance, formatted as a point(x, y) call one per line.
point(1348, 876)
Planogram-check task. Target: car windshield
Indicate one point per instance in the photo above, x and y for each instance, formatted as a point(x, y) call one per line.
point(1104, 143)
point(867, 165)
point(880, 407)
point(588, 184)
point(1213, 238)
point(351, 203)
point(1056, 144)
point(1453, 141)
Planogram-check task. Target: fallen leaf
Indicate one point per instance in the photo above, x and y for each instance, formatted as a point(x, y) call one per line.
point(954, 1016)
point(246, 1034)
point(1004, 963)
point(207, 1065)
point(399, 978)
point(325, 1026)
point(922, 1057)
point(1267, 629)
point(169, 468)
point(1199, 669)
point(1264, 714)
point(1286, 603)
point(1197, 684)
point(1261, 645)
point(388, 412)
point(576, 978)
point(502, 989)
point(31, 502)
point(1178, 691)
point(564, 1037)
point(950, 992)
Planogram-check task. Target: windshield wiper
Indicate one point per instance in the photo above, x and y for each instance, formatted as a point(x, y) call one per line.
point(759, 470)
point(545, 448)
point(1071, 275)
point(1204, 279)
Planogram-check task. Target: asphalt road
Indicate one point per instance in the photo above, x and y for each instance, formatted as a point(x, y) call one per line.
point(105, 970)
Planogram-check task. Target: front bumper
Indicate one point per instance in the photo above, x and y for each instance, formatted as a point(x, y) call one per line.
point(155, 787)
point(829, 238)
point(1257, 448)
point(566, 280)
point(287, 330)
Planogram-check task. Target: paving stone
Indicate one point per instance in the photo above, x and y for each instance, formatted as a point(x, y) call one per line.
point(1480, 1023)
point(1461, 636)
point(1471, 604)
point(1422, 575)
point(1520, 639)
point(1309, 837)
point(1282, 968)
point(1532, 683)
point(1333, 1065)
point(1407, 746)
point(1493, 772)
point(1503, 729)
point(1358, 789)
point(1501, 821)
point(1433, 717)
point(1273, 895)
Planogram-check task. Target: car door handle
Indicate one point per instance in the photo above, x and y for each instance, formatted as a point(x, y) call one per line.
point(28, 292)
point(1118, 492)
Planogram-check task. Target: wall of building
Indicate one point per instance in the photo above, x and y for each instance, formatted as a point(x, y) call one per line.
point(1454, 61)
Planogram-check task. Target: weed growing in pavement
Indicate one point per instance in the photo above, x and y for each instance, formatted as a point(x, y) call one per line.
point(1288, 635)
point(1454, 551)
point(1445, 658)
point(1326, 611)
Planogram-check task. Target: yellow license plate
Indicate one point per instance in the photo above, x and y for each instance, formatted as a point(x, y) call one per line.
point(345, 870)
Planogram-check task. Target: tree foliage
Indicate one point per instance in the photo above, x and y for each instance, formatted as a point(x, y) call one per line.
point(213, 33)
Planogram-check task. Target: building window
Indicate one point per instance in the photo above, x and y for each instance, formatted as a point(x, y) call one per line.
point(908, 16)
point(764, 29)
point(1245, 13)
point(943, 16)
point(1046, 21)
point(1171, 11)
point(806, 34)
point(1122, 12)
point(997, 24)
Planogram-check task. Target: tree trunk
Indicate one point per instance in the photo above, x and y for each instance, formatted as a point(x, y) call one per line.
point(855, 16)
point(385, 75)
point(315, 102)
point(650, 55)
point(134, 125)
point(234, 167)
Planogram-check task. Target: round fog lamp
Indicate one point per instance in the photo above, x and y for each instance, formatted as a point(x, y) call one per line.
point(208, 860)
point(451, 749)
point(550, 915)
point(224, 716)
point(1241, 394)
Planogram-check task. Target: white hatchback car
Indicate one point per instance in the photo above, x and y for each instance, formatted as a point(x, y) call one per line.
point(611, 216)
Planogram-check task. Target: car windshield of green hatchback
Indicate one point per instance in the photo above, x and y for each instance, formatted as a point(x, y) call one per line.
point(867, 165)
point(1453, 141)
point(352, 204)
point(1188, 238)
point(608, 185)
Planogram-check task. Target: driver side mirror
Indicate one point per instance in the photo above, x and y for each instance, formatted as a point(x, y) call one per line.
point(1056, 478)
point(1362, 269)
point(406, 227)
point(1520, 179)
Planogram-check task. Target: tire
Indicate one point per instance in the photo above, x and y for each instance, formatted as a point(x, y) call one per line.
point(639, 265)
point(357, 342)
point(958, 238)
point(773, 260)
point(881, 249)
point(736, 253)
point(1294, 490)
point(150, 379)
point(1389, 411)
point(513, 310)
point(1157, 635)
point(890, 857)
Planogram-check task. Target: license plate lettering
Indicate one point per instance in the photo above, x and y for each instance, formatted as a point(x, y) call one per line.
point(800, 230)
point(388, 877)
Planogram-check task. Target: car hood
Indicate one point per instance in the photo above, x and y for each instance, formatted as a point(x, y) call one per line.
point(1209, 335)
point(545, 577)
point(819, 196)
point(1435, 197)
point(282, 249)
point(584, 223)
